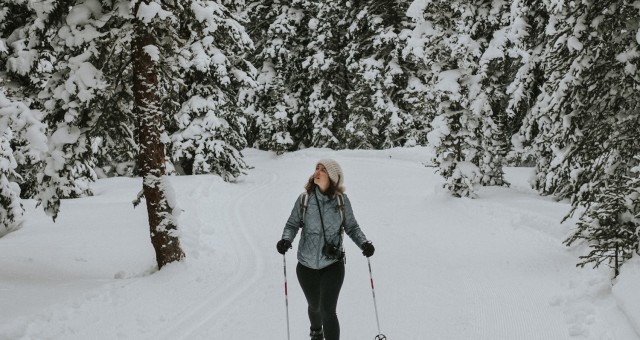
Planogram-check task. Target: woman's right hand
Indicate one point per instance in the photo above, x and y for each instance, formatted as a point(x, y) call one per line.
point(283, 245)
point(368, 249)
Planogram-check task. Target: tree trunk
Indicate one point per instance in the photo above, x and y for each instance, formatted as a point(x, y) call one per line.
point(151, 158)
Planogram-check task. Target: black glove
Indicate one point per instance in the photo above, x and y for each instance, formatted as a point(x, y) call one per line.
point(283, 245)
point(368, 249)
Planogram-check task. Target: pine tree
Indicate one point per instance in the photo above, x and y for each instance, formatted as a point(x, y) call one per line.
point(583, 126)
point(135, 67)
point(580, 56)
point(324, 65)
point(275, 27)
point(49, 59)
point(11, 210)
point(610, 225)
point(527, 39)
point(545, 125)
point(212, 92)
point(22, 140)
point(490, 27)
point(449, 52)
point(387, 94)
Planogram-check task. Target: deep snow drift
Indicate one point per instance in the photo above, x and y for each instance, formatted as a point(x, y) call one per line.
point(445, 268)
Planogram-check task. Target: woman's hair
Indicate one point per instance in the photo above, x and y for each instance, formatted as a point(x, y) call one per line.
point(331, 191)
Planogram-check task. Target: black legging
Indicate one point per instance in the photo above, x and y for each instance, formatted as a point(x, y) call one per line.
point(321, 287)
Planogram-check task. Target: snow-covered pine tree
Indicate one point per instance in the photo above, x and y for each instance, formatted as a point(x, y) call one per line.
point(527, 37)
point(449, 52)
point(545, 125)
point(489, 27)
point(22, 139)
point(386, 96)
point(275, 27)
point(587, 117)
point(454, 155)
point(600, 83)
point(87, 63)
point(11, 210)
point(323, 99)
point(61, 85)
point(273, 120)
point(12, 16)
point(208, 58)
point(573, 60)
point(611, 222)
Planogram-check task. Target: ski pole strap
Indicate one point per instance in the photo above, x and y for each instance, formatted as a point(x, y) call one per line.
point(304, 203)
point(341, 209)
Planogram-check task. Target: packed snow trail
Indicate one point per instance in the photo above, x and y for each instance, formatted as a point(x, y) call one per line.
point(468, 281)
point(445, 268)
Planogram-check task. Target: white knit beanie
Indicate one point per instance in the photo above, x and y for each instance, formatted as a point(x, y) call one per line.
point(334, 170)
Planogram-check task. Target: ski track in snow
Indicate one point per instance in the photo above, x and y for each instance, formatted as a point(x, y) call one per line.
point(249, 268)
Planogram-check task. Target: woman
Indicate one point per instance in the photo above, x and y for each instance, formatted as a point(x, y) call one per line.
point(320, 270)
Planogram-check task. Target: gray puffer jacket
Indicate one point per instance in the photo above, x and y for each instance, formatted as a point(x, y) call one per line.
point(311, 240)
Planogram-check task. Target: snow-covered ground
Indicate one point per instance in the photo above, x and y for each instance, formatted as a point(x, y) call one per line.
point(445, 268)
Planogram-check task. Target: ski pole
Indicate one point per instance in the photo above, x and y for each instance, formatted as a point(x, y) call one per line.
point(380, 336)
point(286, 293)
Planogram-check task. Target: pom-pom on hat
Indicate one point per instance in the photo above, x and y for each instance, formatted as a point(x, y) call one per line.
point(334, 170)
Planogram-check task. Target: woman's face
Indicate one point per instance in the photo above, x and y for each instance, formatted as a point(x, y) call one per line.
point(321, 177)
